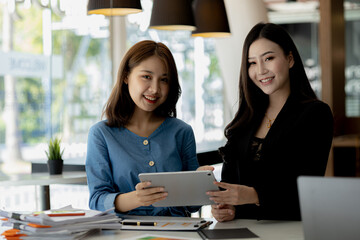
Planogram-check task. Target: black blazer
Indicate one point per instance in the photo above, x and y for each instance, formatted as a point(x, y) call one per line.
point(298, 143)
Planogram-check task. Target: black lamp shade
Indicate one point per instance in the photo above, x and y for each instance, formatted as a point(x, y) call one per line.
point(172, 15)
point(211, 19)
point(114, 7)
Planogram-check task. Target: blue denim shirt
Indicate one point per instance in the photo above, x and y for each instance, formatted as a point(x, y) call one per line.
point(115, 157)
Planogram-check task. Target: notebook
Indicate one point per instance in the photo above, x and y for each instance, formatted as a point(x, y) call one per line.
point(228, 234)
point(330, 207)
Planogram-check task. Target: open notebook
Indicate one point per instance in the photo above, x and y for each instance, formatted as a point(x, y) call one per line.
point(330, 207)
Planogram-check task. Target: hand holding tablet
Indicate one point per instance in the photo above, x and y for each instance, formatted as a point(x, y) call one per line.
point(186, 188)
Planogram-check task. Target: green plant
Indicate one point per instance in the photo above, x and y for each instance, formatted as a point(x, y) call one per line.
point(54, 152)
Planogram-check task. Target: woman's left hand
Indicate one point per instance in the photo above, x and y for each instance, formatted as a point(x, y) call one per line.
point(234, 194)
point(223, 212)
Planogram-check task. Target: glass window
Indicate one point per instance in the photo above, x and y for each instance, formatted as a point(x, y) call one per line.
point(352, 68)
point(305, 36)
point(56, 75)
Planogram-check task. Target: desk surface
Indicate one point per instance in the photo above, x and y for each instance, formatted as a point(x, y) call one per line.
point(350, 140)
point(43, 179)
point(266, 230)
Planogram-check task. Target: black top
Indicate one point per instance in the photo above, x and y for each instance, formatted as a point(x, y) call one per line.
point(298, 143)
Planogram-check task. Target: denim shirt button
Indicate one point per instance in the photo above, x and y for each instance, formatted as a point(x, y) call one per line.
point(145, 142)
point(151, 163)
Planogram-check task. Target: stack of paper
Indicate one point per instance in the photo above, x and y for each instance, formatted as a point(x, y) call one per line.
point(64, 223)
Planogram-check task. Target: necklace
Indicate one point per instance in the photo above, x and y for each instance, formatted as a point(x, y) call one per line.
point(269, 121)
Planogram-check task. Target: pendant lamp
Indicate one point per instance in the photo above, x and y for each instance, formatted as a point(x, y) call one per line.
point(114, 7)
point(211, 19)
point(172, 15)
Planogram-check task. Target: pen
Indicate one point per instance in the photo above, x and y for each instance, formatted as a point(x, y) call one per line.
point(206, 224)
point(139, 223)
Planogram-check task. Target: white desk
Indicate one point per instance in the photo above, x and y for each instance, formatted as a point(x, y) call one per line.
point(43, 180)
point(266, 230)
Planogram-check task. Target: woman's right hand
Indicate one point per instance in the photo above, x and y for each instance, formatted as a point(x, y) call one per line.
point(147, 195)
point(223, 212)
point(205, 168)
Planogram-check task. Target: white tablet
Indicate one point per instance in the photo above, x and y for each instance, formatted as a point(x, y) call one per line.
point(186, 188)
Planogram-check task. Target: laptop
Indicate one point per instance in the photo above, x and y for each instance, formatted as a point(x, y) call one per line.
point(330, 207)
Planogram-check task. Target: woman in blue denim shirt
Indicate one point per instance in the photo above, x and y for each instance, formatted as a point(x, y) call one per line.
point(140, 134)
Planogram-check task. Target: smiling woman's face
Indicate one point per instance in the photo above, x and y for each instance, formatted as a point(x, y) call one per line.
point(148, 84)
point(269, 67)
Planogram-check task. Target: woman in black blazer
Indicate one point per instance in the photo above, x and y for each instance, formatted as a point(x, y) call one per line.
point(280, 131)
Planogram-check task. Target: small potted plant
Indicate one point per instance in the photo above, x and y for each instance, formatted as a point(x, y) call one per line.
point(54, 154)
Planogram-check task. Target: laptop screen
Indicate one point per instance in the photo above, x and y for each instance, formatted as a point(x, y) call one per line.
point(330, 207)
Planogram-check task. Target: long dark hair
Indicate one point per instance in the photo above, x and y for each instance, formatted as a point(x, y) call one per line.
point(120, 106)
point(251, 99)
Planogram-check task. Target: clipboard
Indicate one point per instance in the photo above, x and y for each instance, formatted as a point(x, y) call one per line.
point(185, 188)
point(165, 224)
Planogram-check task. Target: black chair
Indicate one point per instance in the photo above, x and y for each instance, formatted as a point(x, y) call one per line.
point(209, 158)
